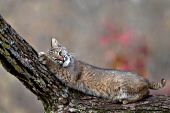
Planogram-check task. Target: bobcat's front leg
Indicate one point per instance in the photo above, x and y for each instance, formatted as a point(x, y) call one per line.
point(46, 60)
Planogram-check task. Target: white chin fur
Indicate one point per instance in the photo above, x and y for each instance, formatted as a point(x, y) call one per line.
point(67, 62)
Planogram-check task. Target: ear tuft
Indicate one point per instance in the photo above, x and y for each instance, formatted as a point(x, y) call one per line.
point(54, 43)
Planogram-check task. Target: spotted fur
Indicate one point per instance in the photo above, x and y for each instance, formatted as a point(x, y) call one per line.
point(125, 87)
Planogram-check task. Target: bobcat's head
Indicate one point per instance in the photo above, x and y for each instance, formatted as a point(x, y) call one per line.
point(59, 53)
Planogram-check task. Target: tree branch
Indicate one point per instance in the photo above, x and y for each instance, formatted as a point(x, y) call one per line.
point(21, 60)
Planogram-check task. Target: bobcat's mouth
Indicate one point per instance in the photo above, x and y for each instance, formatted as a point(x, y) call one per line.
point(61, 59)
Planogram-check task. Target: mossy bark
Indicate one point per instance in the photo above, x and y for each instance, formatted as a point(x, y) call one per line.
point(21, 60)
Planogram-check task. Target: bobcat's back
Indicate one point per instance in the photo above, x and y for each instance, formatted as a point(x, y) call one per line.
point(116, 85)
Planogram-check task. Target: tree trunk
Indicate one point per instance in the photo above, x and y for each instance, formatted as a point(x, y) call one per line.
point(21, 60)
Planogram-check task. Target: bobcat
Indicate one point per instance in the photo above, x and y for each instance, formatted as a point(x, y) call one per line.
point(121, 86)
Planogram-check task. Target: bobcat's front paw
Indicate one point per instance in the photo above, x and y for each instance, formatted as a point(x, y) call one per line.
point(43, 57)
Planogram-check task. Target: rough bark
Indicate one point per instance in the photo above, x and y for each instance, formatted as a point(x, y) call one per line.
point(21, 60)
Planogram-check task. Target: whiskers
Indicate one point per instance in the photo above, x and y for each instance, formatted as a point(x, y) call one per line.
point(73, 54)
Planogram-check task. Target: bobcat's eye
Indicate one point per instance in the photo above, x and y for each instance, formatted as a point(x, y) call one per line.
point(60, 53)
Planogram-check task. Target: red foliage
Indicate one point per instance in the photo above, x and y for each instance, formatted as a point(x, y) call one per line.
point(135, 53)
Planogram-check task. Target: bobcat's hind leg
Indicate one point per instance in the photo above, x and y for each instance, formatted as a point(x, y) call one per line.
point(136, 97)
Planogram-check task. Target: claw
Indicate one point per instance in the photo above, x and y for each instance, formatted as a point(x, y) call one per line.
point(125, 102)
point(41, 53)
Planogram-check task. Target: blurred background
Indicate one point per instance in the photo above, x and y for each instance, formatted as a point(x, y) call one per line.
point(131, 35)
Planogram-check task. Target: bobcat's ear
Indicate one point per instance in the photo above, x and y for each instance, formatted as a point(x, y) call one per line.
point(54, 43)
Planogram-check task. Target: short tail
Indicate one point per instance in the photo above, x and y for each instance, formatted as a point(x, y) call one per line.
point(156, 86)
